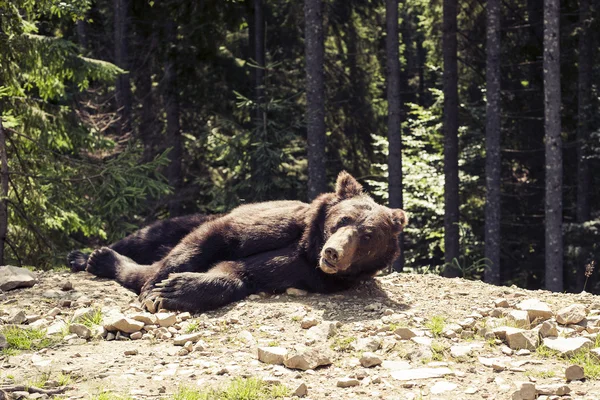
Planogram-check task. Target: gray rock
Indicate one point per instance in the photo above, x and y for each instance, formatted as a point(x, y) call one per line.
point(80, 330)
point(574, 373)
point(272, 355)
point(523, 340)
point(407, 333)
point(136, 336)
point(567, 346)
point(301, 390)
point(3, 342)
point(556, 389)
point(526, 390)
point(347, 382)
point(146, 318)
point(15, 277)
point(191, 337)
point(304, 358)
point(17, 317)
point(166, 319)
point(321, 332)
point(56, 328)
point(549, 329)
point(536, 309)
point(123, 324)
point(366, 344)
point(442, 387)
point(520, 318)
point(571, 315)
point(369, 360)
point(308, 322)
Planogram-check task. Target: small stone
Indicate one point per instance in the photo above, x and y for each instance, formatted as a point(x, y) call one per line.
point(66, 286)
point(571, 315)
point(296, 292)
point(522, 339)
point(3, 342)
point(146, 318)
point(442, 387)
point(304, 358)
point(567, 346)
point(388, 312)
point(406, 333)
point(308, 322)
point(520, 318)
point(536, 309)
point(56, 328)
point(321, 332)
point(55, 311)
point(574, 373)
point(272, 355)
point(184, 316)
point(17, 317)
point(526, 390)
point(301, 390)
point(556, 389)
point(369, 360)
point(166, 319)
point(374, 307)
point(367, 344)
point(124, 324)
point(184, 352)
point(80, 330)
point(506, 350)
point(549, 329)
point(131, 352)
point(136, 335)
point(191, 337)
point(200, 346)
point(523, 352)
point(189, 346)
point(471, 390)
point(503, 303)
point(347, 382)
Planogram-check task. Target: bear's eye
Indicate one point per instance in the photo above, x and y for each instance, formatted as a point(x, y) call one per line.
point(344, 221)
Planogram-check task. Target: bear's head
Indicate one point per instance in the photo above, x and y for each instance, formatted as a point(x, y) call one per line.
point(358, 235)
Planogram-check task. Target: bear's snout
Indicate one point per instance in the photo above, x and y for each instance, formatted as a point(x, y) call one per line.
point(338, 251)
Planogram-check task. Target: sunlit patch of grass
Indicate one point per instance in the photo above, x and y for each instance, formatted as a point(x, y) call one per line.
point(584, 358)
point(238, 389)
point(273, 343)
point(438, 351)
point(108, 396)
point(193, 326)
point(543, 374)
point(25, 339)
point(343, 344)
point(92, 320)
point(436, 325)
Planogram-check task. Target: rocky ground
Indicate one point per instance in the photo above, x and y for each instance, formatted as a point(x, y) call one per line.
point(398, 337)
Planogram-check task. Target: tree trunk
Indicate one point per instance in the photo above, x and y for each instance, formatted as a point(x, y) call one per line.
point(3, 192)
point(315, 97)
point(451, 216)
point(394, 114)
point(584, 177)
point(173, 125)
point(552, 101)
point(259, 56)
point(82, 33)
point(123, 86)
point(492, 144)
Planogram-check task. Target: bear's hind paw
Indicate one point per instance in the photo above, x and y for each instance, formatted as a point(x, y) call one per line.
point(103, 262)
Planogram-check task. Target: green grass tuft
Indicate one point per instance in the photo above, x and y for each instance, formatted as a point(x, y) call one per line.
point(238, 389)
point(92, 320)
point(343, 344)
point(25, 339)
point(436, 325)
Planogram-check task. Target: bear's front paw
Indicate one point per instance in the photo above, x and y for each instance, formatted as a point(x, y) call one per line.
point(103, 262)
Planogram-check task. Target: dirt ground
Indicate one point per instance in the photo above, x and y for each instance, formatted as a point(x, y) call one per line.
point(367, 316)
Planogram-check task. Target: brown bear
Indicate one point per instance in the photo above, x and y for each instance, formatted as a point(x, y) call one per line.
point(325, 246)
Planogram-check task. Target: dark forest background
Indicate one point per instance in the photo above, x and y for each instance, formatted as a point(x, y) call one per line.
point(478, 118)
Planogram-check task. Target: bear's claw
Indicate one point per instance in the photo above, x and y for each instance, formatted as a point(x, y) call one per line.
point(77, 260)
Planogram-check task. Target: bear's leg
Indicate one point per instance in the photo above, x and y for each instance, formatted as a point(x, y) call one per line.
point(107, 263)
point(77, 260)
point(199, 292)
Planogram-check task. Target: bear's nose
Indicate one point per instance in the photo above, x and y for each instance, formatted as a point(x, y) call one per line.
point(332, 254)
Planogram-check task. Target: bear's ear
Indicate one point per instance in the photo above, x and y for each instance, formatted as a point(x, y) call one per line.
point(347, 187)
point(400, 219)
